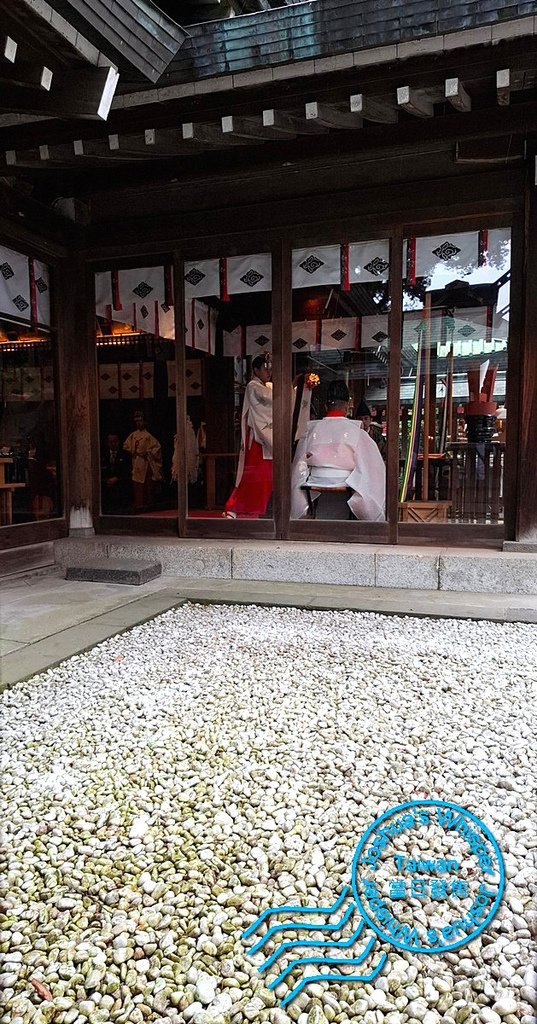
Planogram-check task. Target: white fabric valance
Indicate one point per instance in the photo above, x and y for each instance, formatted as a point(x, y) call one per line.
point(258, 339)
point(232, 275)
point(342, 265)
point(342, 333)
point(369, 261)
point(318, 265)
point(304, 336)
point(24, 288)
point(461, 252)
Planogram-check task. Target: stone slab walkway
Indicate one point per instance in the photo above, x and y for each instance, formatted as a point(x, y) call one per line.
point(46, 619)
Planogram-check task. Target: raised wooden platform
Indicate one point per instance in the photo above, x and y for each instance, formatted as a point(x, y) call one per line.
point(130, 571)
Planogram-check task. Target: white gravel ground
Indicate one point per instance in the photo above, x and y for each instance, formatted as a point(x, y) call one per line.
point(163, 789)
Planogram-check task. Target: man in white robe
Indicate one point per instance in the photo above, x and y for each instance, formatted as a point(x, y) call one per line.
point(336, 452)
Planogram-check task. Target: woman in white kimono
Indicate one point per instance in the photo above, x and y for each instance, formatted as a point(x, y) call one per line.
point(253, 486)
point(337, 452)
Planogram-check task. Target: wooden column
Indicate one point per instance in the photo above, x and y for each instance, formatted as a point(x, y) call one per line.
point(75, 304)
point(521, 426)
point(426, 401)
point(282, 369)
point(393, 404)
point(180, 391)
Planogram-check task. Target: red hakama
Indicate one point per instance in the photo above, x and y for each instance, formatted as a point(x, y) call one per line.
point(251, 496)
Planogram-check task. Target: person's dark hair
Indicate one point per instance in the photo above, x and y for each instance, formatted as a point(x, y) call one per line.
point(258, 362)
point(363, 410)
point(337, 391)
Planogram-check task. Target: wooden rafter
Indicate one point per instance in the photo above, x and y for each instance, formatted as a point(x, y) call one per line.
point(415, 102)
point(456, 94)
point(85, 93)
point(329, 116)
point(503, 87)
point(372, 108)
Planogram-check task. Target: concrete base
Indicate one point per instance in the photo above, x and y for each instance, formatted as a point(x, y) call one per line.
point(522, 546)
point(364, 565)
point(28, 559)
point(114, 570)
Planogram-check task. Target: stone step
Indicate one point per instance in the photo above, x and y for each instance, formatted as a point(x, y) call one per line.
point(131, 571)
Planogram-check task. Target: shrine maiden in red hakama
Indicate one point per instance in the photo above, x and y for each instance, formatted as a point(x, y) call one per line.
point(336, 451)
point(253, 485)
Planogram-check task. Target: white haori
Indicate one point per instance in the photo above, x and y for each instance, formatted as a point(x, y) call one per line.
point(340, 448)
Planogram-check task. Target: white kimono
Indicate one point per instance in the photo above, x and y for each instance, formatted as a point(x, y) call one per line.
point(335, 452)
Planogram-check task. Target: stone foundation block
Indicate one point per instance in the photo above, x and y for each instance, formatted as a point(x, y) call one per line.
point(497, 573)
point(407, 570)
point(305, 563)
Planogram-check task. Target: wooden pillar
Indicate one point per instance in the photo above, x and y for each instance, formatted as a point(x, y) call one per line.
point(426, 401)
point(180, 391)
point(393, 404)
point(521, 426)
point(75, 306)
point(282, 358)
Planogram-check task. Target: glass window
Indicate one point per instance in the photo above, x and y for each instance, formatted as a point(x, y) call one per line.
point(228, 321)
point(30, 485)
point(340, 346)
point(137, 391)
point(453, 377)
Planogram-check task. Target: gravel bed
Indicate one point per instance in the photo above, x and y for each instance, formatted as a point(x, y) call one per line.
point(163, 789)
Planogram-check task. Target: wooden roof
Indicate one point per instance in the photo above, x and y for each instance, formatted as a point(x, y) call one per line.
point(442, 82)
point(137, 36)
point(320, 28)
point(64, 58)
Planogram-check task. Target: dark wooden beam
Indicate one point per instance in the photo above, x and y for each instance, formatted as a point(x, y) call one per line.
point(503, 87)
point(373, 108)
point(456, 94)
point(244, 127)
point(34, 76)
point(85, 93)
point(209, 135)
point(287, 124)
point(414, 102)
point(329, 116)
